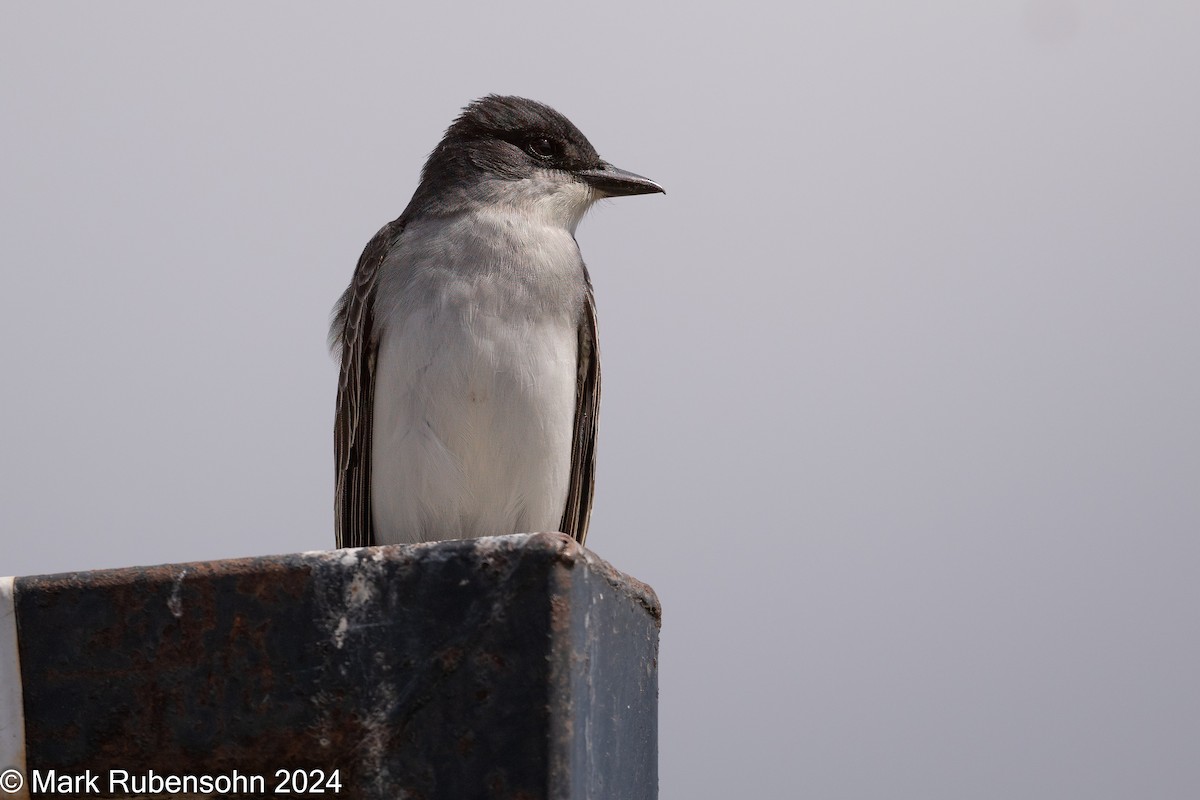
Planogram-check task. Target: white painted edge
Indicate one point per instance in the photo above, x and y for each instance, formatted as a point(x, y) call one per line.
point(12, 706)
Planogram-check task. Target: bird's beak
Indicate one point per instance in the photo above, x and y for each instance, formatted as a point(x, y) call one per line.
point(613, 182)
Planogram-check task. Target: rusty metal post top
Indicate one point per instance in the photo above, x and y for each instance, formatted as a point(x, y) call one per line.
point(509, 666)
point(556, 547)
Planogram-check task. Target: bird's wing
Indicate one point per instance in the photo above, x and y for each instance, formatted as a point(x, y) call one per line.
point(578, 511)
point(354, 331)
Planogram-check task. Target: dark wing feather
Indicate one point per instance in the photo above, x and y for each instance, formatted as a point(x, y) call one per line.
point(578, 511)
point(354, 330)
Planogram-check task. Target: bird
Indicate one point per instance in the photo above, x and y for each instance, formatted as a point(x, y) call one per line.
point(469, 380)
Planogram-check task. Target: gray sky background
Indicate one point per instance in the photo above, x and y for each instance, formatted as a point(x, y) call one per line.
point(901, 376)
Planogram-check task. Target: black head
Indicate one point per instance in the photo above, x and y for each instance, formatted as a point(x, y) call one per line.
point(512, 138)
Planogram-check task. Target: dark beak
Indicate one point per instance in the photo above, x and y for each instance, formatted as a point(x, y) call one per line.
point(613, 182)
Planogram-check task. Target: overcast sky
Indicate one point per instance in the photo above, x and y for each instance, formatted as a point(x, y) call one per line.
point(902, 376)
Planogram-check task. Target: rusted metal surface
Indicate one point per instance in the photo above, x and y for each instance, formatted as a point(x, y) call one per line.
point(509, 667)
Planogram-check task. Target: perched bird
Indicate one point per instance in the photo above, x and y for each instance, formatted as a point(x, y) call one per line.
point(470, 377)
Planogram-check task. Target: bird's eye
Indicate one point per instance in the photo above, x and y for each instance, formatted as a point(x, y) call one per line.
point(541, 147)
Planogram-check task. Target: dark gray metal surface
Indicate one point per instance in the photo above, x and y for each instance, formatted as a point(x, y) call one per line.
point(509, 667)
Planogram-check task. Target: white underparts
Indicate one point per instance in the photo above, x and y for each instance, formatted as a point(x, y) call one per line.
point(476, 372)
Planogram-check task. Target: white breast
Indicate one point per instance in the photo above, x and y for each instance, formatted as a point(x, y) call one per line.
point(475, 378)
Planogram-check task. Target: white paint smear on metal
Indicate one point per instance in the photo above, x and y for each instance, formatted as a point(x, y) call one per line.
point(12, 713)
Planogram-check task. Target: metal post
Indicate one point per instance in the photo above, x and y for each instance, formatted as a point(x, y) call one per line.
point(509, 667)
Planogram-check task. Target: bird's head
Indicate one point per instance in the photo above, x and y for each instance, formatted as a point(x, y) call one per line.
point(510, 150)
